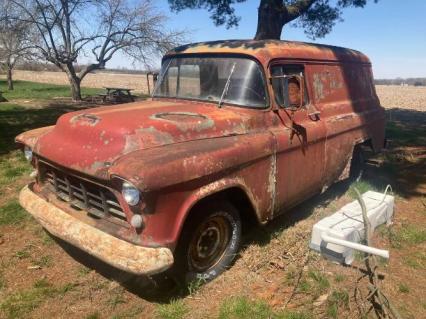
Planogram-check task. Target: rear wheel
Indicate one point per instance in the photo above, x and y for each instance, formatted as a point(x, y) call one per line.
point(209, 242)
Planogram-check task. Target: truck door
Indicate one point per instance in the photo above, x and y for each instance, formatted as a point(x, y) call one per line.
point(300, 137)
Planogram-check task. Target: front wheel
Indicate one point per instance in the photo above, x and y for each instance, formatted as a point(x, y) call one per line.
point(209, 242)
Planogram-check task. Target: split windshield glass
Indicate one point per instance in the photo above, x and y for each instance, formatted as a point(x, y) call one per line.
point(205, 78)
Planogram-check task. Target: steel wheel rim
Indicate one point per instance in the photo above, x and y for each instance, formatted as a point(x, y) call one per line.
point(209, 243)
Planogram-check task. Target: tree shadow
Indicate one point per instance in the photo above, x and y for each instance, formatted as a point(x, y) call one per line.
point(15, 119)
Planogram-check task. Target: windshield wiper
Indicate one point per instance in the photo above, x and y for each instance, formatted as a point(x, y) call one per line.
point(226, 87)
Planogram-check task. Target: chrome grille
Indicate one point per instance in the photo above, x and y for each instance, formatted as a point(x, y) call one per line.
point(84, 195)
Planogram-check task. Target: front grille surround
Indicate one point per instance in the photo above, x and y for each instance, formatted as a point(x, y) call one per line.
point(82, 194)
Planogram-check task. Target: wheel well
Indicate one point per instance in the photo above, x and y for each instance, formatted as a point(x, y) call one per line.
point(238, 198)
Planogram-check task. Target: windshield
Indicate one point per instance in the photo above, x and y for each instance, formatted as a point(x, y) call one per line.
point(220, 79)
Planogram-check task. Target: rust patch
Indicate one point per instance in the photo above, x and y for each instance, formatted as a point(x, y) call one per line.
point(186, 120)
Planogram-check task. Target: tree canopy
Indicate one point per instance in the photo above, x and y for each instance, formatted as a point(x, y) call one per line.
point(316, 17)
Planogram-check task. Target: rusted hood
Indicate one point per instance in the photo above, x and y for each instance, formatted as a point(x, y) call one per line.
point(91, 140)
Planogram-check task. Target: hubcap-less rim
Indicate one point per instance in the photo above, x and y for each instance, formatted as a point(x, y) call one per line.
point(209, 243)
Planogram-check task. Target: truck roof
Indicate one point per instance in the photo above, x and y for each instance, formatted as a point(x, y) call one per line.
point(266, 50)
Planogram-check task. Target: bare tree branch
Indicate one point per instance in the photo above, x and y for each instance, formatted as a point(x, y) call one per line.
point(70, 29)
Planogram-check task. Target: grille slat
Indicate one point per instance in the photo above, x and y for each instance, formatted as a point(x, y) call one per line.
point(93, 198)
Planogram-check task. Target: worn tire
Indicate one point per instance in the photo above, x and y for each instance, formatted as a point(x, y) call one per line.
point(357, 164)
point(214, 227)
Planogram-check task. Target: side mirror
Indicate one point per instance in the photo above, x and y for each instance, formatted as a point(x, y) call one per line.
point(289, 91)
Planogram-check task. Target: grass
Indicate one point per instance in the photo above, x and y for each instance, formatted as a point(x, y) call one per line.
point(176, 309)
point(12, 167)
point(407, 234)
point(12, 213)
point(362, 186)
point(21, 303)
point(416, 260)
point(241, 308)
point(33, 90)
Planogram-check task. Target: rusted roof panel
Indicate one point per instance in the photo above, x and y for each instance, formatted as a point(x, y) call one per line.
point(266, 50)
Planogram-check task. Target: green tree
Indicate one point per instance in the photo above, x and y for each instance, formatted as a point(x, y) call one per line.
point(316, 17)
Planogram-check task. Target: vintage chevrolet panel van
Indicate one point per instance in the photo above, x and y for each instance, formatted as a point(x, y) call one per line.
point(235, 130)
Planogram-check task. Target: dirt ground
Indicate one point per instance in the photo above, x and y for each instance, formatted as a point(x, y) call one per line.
point(275, 275)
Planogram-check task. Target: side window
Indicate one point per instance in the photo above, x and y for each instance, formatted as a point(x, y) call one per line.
point(288, 82)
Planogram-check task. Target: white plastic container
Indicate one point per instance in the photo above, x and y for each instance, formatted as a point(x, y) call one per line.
point(330, 233)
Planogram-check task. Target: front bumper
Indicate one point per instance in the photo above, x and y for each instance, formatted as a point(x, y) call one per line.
point(116, 252)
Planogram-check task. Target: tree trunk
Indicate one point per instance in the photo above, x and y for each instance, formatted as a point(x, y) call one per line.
point(9, 79)
point(75, 82)
point(270, 20)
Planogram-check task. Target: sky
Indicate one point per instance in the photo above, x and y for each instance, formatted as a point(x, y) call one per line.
point(391, 33)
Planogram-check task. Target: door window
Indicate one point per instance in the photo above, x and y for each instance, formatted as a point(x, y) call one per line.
point(289, 85)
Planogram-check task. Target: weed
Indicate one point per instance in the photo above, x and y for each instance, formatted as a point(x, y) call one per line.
point(176, 309)
point(403, 288)
point(67, 288)
point(195, 285)
point(83, 271)
point(42, 283)
point(116, 299)
point(337, 299)
point(46, 238)
point(44, 261)
point(22, 254)
point(339, 278)
point(321, 281)
point(241, 308)
point(304, 286)
point(12, 213)
point(290, 274)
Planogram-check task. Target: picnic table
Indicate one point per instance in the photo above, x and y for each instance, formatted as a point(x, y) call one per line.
point(117, 95)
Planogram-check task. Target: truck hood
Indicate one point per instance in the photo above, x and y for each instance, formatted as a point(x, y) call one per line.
point(91, 140)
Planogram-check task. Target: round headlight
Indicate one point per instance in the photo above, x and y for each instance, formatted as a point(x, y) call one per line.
point(130, 193)
point(28, 153)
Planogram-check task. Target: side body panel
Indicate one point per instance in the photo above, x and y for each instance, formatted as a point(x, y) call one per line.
point(344, 94)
